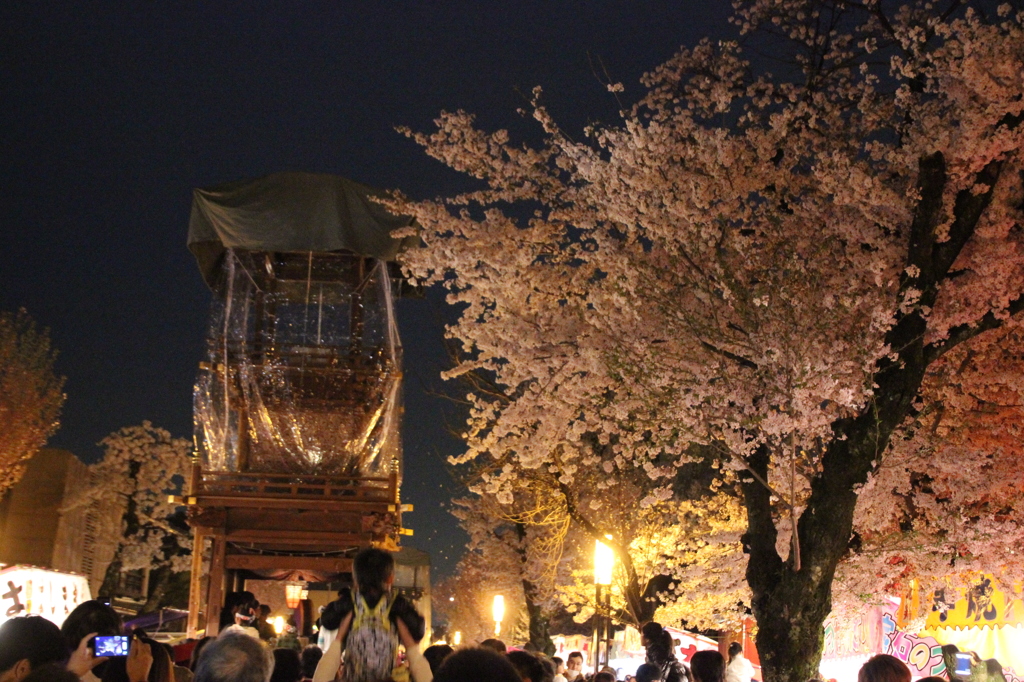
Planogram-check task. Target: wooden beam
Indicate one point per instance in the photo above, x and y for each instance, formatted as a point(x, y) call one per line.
point(256, 562)
point(195, 597)
point(215, 599)
point(297, 537)
point(380, 506)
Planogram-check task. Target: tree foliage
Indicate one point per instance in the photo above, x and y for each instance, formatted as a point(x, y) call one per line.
point(31, 394)
point(782, 267)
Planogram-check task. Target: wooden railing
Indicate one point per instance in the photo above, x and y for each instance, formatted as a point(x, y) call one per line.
point(294, 486)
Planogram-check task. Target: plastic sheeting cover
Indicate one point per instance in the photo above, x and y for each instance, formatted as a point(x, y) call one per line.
point(291, 212)
point(303, 368)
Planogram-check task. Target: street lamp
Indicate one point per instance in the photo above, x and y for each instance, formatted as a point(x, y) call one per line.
point(457, 639)
point(498, 611)
point(604, 562)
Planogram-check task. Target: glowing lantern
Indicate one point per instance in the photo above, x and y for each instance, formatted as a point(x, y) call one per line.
point(293, 594)
point(498, 611)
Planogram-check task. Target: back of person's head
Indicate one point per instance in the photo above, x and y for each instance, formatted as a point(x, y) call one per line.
point(53, 672)
point(474, 664)
point(310, 657)
point(162, 669)
point(652, 631)
point(527, 665)
point(196, 651)
point(735, 649)
point(604, 676)
point(243, 602)
point(648, 672)
point(436, 654)
point(33, 639)
point(265, 610)
point(287, 666)
point(88, 617)
point(708, 666)
point(372, 568)
point(234, 657)
point(884, 668)
point(557, 660)
point(494, 645)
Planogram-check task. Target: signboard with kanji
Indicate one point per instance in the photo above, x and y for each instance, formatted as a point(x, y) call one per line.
point(28, 590)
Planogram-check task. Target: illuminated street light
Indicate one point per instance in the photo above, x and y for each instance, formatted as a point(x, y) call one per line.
point(498, 611)
point(457, 639)
point(604, 563)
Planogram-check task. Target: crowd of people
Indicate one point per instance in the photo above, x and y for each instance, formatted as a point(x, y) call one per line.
point(362, 631)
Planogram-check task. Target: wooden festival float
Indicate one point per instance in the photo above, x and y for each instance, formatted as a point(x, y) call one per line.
point(298, 403)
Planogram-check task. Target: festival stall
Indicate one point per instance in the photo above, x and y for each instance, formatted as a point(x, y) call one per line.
point(28, 590)
point(985, 621)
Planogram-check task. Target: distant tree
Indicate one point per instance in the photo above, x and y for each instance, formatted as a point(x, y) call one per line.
point(771, 265)
point(31, 394)
point(141, 466)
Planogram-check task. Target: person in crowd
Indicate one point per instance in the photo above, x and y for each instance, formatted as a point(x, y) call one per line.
point(739, 668)
point(90, 619)
point(474, 664)
point(26, 643)
point(708, 666)
point(658, 643)
point(287, 666)
point(239, 613)
point(196, 651)
point(310, 657)
point(234, 657)
point(648, 672)
point(436, 654)
point(263, 627)
point(884, 668)
point(604, 676)
point(574, 666)
point(51, 672)
point(329, 665)
point(528, 666)
point(370, 641)
point(495, 644)
point(559, 669)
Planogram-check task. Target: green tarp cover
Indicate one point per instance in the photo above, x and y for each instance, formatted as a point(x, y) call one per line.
point(291, 212)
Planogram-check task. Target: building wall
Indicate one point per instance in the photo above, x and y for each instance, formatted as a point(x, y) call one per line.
point(30, 511)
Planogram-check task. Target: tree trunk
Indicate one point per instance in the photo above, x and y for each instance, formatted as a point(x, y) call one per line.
point(111, 578)
point(538, 624)
point(159, 580)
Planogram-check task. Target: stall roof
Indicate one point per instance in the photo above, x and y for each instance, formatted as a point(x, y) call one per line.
point(291, 212)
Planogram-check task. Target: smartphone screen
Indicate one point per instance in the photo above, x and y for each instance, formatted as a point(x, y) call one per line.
point(963, 665)
point(110, 645)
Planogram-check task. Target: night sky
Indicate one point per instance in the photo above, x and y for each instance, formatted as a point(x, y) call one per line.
point(112, 112)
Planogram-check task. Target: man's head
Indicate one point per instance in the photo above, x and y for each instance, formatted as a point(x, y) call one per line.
point(735, 649)
point(494, 645)
point(436, 654)
point(234, 658)
point(474, 664)
point(374, 571)
point(527, 665)
point(26, 643)
point(604, 676)
point(264, 612)
point(575, 661)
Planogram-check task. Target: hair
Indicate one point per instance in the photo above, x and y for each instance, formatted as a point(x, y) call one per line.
point(372, 568)
point(527, 665)
point(55, 672)
point(31, 637)
point(932, 678)
point(287, 666)
point(648, 672)
point(473, 664)
point(604, 676)
point(709, 666)
point(494, 645)
point(265, 610)
point(436, 654)
point(196, 650)
point(90, 616)
point(163, 665)
point(233, 602)
point(735, 649)
point(234, 658)
point(659, 643)
point(557, 660)
point(310, 657)
point(575, 654)
point(884, 668)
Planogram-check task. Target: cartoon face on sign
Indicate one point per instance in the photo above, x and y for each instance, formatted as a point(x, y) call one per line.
point(979, 601)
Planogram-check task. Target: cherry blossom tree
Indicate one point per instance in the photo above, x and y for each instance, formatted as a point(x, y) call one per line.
point(766, 264)
point(31, 394)
point(141, 467)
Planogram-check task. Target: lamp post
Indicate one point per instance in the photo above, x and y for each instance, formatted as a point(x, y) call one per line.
point(604, 562)
point(498, 611)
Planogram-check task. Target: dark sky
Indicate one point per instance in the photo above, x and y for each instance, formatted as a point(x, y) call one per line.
point(111, 112)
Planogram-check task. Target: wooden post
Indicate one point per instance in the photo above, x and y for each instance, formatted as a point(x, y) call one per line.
point(215, 598)
point(195, 597)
